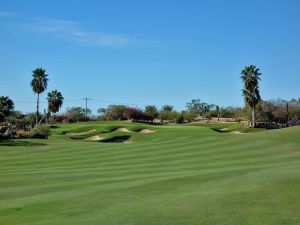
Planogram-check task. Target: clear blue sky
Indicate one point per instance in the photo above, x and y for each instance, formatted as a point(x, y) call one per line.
point(149, 52)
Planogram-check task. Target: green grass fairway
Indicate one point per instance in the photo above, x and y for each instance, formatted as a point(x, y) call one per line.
point(177, 175)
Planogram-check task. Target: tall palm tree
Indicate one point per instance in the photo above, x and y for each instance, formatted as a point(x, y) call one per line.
point(39, 84)
point(55, 101)
point(251, 76)
point(6, 107)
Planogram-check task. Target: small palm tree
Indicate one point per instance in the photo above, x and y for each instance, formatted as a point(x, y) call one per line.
point(39, 85)
point(251, 76)
point(55, 101)
point(6, 107)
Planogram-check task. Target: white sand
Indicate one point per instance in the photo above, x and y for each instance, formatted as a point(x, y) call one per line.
point(122, 129)
point(146, 131)
point(236, 132)
point(94, 138)
point(81, 133)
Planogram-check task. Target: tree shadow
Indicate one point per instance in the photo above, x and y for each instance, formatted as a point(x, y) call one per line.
point(11, 142)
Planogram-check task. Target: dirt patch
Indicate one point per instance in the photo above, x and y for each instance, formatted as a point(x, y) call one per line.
point(122, 129)
point(80, 133)
point(94, 138)
point(146, 131)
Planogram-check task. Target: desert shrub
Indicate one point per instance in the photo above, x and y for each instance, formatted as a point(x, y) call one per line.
point(168, 116)
point(40, 131)
point(112, 112)
point(211, 114)
point(180, 118)
point(59, 118)
point(7, 131)
point(77, 114)
point(278, 111)
point(22, 123)
point(23, 134)
point(137, 115)
point(152, 112)
point(189, 117)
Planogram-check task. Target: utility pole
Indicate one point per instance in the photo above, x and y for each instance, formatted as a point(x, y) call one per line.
point(86, 106)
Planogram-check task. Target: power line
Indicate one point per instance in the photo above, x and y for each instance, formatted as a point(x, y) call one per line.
point(27, 102)
point(34, 102)
point(115, 102)
point(74, 100)
point(86, 100)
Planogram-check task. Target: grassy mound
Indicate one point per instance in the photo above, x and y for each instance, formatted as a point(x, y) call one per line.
point(230, 127)
point(107, 132)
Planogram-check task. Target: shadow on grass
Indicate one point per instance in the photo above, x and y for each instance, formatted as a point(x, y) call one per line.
point(11, 142)
point(221, 130)
point(117, 139)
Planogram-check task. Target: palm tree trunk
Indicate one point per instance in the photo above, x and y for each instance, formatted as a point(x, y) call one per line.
point(253, 117)
point(37, 110)
point(48, 116)
point(287, 113)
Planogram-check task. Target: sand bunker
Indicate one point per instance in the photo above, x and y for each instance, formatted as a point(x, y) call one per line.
point(118, 139)
point(223, 129)
point(124, 140)
point(146, 131)
point(122, 129)
point(236, 132)
point(94, 138)
point(78, 134)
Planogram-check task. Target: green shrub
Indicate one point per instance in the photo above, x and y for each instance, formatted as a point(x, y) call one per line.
point(40, 131)
point(180, 118)
point(189, 117)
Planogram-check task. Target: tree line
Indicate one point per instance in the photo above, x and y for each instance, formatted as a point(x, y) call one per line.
point(256, 112)
point(268, 114)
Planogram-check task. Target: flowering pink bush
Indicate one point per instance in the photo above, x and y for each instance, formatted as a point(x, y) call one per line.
point(136, 114)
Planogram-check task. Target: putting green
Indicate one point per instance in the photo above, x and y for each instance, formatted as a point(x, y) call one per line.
point(187, 175)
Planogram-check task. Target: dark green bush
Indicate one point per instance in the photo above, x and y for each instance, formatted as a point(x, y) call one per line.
point(180, 118)
point(40, 131)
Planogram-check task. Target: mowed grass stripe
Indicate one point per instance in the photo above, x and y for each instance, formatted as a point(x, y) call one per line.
point(132, 181)
point(178, 175)
point(181, 155)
